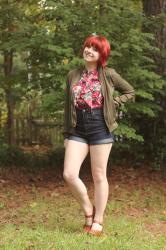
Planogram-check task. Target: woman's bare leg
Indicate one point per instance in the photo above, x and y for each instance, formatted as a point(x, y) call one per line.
point(99, 158)
point(75, 154)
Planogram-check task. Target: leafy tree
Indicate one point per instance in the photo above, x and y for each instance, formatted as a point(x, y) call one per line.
point(13, 39)
point(156, 20)
point(41, 41)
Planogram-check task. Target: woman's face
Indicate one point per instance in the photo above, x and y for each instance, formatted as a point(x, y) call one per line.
point(90, 54)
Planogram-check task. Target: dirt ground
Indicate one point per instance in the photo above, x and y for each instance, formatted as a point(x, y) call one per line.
point(17, 187)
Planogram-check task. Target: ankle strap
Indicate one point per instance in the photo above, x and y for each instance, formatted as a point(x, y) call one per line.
point(96, 221)
point(91, 215)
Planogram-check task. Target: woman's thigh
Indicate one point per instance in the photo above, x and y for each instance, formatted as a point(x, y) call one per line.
point(75, 154)
point(99, 155)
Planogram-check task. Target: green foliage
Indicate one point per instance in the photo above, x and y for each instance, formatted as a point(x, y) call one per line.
point(46, 38)
point(130, 133)
point(33, 161)
point(10, 155)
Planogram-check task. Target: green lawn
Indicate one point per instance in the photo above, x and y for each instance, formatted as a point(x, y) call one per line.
point(49, 218)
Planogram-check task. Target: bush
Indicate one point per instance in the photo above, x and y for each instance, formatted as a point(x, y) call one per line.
point(10, 155)
point(32, 161)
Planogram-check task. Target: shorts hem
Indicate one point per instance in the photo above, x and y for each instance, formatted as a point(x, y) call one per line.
point(97, 142)
point(75, 138)
point(104, 141)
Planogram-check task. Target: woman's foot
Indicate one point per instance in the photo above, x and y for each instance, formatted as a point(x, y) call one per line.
point(96, 228)
point(89, 221)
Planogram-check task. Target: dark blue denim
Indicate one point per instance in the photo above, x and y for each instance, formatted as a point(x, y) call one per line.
point(91, 127)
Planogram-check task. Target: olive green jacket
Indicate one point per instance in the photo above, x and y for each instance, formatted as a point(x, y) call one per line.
point(110, 81)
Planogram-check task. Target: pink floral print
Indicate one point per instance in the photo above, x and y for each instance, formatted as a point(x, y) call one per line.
point(87, 91)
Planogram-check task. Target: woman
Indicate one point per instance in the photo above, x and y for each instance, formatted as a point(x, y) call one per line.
point(89, 121)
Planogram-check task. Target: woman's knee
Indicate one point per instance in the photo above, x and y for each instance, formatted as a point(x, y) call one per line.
point(99, 176)
point(69, 177)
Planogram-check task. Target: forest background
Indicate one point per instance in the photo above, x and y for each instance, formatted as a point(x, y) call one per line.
point(40, 41)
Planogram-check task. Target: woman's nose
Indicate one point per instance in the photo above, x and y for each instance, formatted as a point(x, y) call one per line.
point(90, 49)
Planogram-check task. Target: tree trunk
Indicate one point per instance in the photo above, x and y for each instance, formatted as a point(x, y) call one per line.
point(8, 62)
point(155, 8)
point(101, 8)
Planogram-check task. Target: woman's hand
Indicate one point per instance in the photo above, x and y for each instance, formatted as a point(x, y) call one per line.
point(116, 104)
point(65, 143)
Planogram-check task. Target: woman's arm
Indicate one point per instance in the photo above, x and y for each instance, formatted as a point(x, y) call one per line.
point(121, 85)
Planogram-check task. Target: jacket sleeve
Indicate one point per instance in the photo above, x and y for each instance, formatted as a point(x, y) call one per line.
point(122, 86)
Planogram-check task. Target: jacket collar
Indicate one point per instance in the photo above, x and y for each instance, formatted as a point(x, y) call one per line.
point(76, 77)
point(99, 69)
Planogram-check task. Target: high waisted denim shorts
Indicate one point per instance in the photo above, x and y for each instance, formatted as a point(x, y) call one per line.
point(91, 127)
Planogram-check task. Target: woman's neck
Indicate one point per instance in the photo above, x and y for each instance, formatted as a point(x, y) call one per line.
point(90, 66)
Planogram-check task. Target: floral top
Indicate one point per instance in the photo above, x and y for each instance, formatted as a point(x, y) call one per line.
point(87, 91)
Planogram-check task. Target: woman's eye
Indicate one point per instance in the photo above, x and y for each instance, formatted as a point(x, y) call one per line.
point(95, 49)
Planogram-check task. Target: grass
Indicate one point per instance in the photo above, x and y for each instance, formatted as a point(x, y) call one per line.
point(50, 219)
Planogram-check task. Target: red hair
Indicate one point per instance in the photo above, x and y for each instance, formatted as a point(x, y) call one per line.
point(101, 44)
